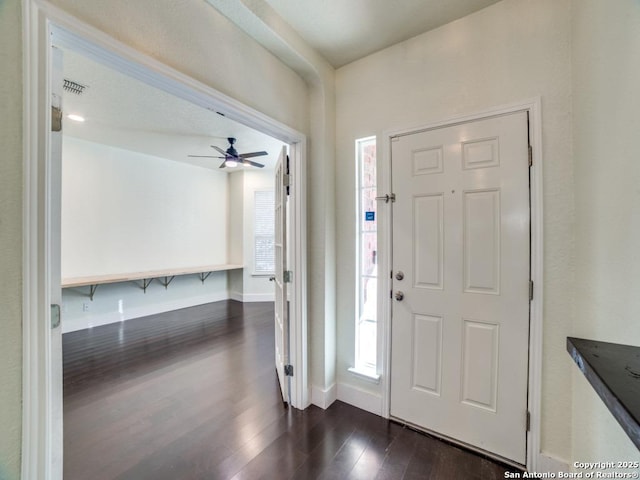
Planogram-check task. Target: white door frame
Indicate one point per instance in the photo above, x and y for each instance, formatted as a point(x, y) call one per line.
point(533, 106)
point(40, 19)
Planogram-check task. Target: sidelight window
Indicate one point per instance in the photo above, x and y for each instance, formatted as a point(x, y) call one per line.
point(366, 350)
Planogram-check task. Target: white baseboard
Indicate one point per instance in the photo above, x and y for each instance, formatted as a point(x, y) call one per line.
point(252, 297)
point(237, 296)
point(259, 297)
point(323, 398)
point(71, 325)
point(362, 399)
point(550, 464)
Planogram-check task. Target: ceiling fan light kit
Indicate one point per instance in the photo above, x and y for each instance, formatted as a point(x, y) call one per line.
point(231, 157)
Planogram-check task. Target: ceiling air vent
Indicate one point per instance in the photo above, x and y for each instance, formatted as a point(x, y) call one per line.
point(73, 87)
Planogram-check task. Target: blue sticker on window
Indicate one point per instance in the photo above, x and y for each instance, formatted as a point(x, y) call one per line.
point(370, 216)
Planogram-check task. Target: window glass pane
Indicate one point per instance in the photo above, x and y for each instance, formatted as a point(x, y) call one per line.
point(368, 253)
point(367, 344)
point(368, 164)
point(368, 299)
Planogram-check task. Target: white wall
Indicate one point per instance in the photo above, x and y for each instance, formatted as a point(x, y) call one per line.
point(235, 243)
point(125, 212)
point(10, 238)
point(606, 75)
point(509, 52)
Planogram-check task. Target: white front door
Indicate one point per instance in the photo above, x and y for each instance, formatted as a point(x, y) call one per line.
point(281, 299)
point(460, 315)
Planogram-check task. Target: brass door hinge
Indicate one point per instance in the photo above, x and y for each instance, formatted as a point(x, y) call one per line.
point(56, 119)
point(55, 315)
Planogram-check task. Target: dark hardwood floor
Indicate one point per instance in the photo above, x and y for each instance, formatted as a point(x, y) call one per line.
point(193, 394)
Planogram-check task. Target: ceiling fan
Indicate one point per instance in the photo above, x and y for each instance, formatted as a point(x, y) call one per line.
point(232, 158)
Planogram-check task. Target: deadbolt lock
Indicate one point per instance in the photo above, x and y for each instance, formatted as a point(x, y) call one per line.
point(399, 275)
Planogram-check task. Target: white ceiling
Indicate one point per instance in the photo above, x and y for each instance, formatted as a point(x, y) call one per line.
point(346, 30)
point(124, 112)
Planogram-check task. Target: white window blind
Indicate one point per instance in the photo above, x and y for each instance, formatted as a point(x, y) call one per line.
point(264, 232)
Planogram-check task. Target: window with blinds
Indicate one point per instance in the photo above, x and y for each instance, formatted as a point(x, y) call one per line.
point(264, 262)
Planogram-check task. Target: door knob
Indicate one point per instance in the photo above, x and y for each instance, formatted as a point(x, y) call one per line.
point(399, 275)
point(399, 296)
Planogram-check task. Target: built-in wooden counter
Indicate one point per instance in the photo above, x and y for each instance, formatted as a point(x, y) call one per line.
point(613, 370)
point(147, 277)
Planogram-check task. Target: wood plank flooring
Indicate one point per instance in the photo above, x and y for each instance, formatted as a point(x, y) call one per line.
point(193, 394)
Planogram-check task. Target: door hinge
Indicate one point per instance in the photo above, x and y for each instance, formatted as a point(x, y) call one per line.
point(288, 370)
point(55, 315)
point(528, 421)
point(287, 178)
point(287, 276)
point(530, 290)
point(56, 119)
point(530, 156)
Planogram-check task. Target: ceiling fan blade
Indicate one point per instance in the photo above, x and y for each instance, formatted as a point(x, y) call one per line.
point(252, 154)
point(203, 156)
point(249, 162)
point(223, 164)
point(219, 150)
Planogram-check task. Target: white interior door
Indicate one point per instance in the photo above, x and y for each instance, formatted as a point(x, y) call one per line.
point(281, 299)
point(461, 221)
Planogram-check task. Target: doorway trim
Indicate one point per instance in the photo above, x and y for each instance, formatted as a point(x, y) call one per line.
point(40, 20)
point(533, 106)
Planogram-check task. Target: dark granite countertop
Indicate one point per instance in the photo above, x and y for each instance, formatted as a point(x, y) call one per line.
point(614, 372)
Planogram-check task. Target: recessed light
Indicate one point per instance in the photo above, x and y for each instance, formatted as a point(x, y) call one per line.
point(75, 118)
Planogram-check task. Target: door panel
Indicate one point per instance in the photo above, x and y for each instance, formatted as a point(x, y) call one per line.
point(480, 364)
point(429, 240)
point(427, 353)
point(459, 359)
point(281, 306)
point(481, 233)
